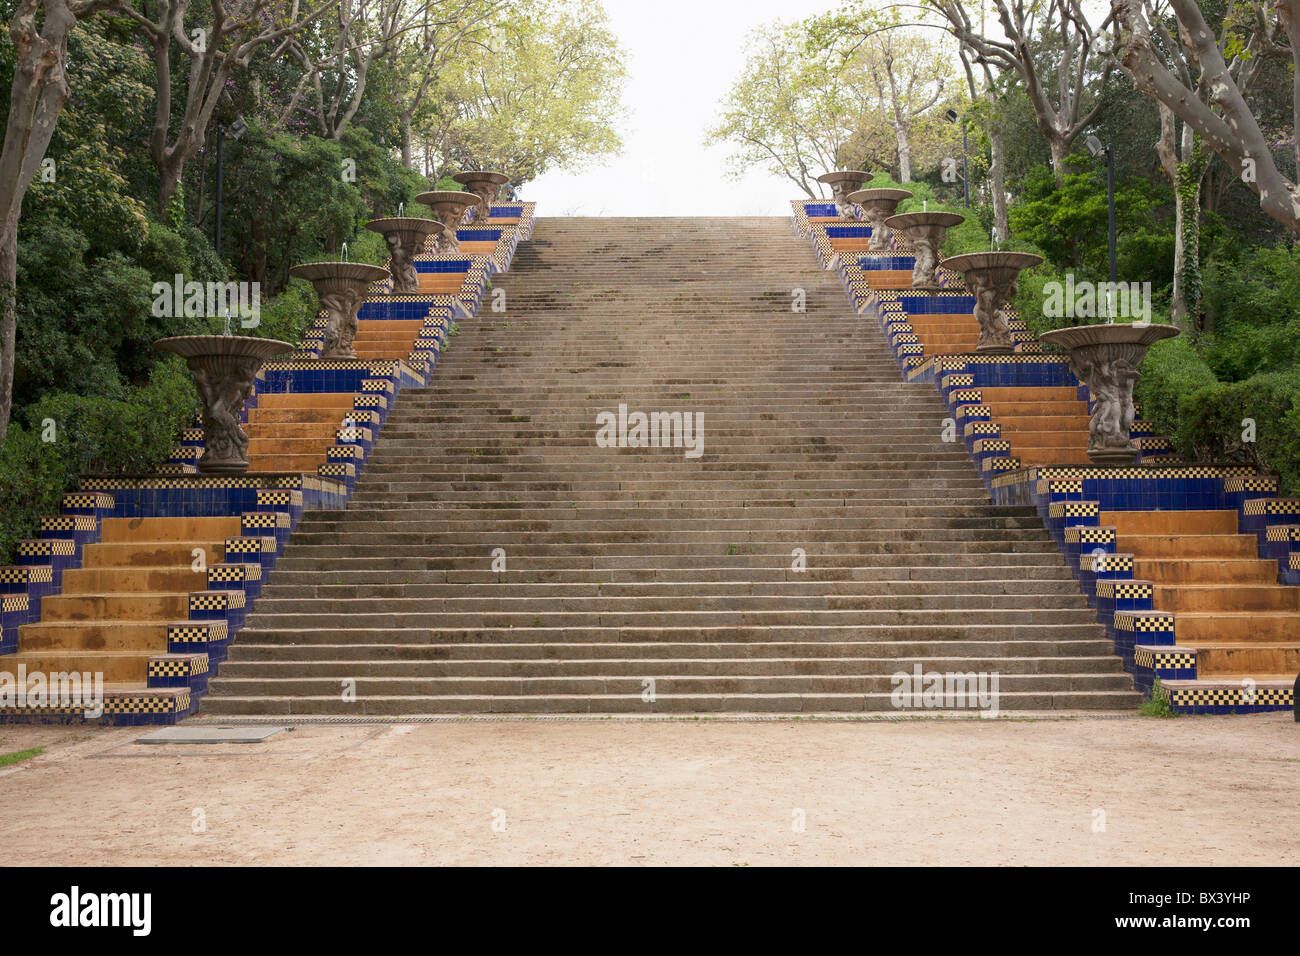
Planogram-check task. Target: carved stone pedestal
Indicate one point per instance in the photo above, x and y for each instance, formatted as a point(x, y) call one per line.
point(485, 185)
point(406, 238)
point(877, 206)
point(843, 182)
point(926, 232)
point(1106, 359)
point(449, 209)
point(223, 367)
point(341, 288)
point(991, 278)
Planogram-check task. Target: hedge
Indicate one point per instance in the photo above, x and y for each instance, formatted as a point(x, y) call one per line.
point(89, 434)
point(1209, 420)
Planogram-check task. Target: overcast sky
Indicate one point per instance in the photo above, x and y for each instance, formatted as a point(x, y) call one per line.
point(682, 56)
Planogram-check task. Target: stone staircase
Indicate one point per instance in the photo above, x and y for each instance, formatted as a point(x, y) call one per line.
point(1192, 567)
point(495, 559)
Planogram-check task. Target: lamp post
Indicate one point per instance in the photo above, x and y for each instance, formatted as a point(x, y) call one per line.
point(965, 170)
point(237, 129)
point(1095, 149)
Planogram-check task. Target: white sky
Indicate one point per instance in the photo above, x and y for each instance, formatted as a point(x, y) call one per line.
point(682, 57)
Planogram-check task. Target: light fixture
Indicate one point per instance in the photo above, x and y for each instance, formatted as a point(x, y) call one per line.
point(952, 116)
point(1094, 146)
point(237, 129)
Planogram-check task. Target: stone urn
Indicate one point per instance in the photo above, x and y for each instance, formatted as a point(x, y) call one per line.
point(449, 209)
point(341, 288)
point(406, 238)
point(223, 367)
point(1106, 359)
point(485, 185)
point(843, 182)
point(878, 205)
point(991, 278)
point(926, 232)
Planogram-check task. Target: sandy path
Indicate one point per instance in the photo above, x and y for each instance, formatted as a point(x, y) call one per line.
point(1186, 791)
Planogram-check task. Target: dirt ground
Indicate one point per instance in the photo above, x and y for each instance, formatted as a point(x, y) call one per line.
point(924, 791)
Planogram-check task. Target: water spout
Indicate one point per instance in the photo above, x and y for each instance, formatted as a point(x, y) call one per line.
point(228, 328)
point(401, 210)
point(344, 252)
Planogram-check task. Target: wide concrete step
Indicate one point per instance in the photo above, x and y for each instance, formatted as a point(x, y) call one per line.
point(776, 703)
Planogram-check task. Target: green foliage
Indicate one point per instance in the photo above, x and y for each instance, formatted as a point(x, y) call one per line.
point(1156, 704)
point(91, 433)
point(1210, 420)
point(1069, 224)
point(317, 207)
point(289, 314)
point(1253, 312)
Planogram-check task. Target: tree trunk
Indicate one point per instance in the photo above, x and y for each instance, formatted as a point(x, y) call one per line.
point(169, 177)
point(904, 154)
point(406, 141)
point(1178, 301)
point(1060, 149)
point(37, 95)
point(8, 316)
point(998, 182)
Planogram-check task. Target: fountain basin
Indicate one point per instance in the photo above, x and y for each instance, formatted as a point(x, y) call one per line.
point(406, 238)
point(926, 232)
point(843, 182)
point(341, 288)
point(449, 209)
point(1107, 358)
point(992, 278)
point(223, 368)
point(877, 206)
point(484, 184)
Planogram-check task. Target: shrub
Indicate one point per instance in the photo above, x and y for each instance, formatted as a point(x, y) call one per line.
point(1207, 419)
point(91, 433)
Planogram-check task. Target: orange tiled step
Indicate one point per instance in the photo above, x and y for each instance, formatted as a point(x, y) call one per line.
point(150, 553)
point(133, 579)
point(292, 464)
point(1190, 545)
point(168, 529)
point(268, 445)
point(115, 665)
point(1260, 663)
point(94, 636)
point(117, 606)
point(446, 282)
point(1216, 597)
point(1221, 571)
point(1218, 522)
point(321, 431)
point(1237, 627)
point(298, 400)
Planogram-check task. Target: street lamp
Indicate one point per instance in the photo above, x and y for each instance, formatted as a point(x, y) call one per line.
point(965, 171)
point(236, 129)
point(1095, 149)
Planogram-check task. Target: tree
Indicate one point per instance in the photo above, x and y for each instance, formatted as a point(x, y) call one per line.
point(37, 95)
point(545, 93)
point(803, 107)
point(227, 41)
point(1213, 102)
point(363, 33)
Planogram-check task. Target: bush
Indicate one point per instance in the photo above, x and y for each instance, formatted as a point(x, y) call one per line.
point(91, 434)
point(1209, 420)
point(1253, 312)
